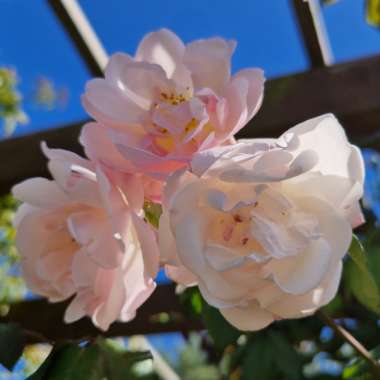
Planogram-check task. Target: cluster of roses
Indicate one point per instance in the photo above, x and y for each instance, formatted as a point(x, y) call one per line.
point(260, 226)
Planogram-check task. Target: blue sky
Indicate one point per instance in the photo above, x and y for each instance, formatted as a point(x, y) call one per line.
point(33, 41)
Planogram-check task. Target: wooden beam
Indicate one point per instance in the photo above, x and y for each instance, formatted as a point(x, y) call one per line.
point(21, 157)
point(45, 319)
point(349, 90)
point(80, 31)
point(313, 32)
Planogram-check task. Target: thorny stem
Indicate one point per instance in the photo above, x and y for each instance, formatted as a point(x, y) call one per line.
point(361, 350)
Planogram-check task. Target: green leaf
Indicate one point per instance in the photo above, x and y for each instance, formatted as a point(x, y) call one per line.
point(205, 372)
point(61, 363)
point(373, 12)
point(360, 278)
point(334, 306)
point(118, 362)
point(97, 361)
point(192, 302)
point(372, 247)
point(11, 113)
point(258, 362)
point(44, 368)
point(287, 359)
point(221, 332)
point(12, 343)
point(359, 368)
point(152, 212)
point(232, 360)
point(271, 356)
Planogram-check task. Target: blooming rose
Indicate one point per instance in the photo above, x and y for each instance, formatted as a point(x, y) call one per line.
point(262, 226)
point(83, 234)
point(154, 111)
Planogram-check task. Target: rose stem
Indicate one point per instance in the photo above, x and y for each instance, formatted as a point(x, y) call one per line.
point(343, 333)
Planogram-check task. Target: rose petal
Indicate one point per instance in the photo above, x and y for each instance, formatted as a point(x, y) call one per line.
point(209, 62)
point(249, 318)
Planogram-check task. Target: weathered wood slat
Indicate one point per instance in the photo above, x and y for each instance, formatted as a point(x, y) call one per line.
point(47, 319)
point(311, 24)
point(21, 157)
point(80, 32)
point(350, 90)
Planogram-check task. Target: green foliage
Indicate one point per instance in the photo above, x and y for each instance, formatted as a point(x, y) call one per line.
point(334, 306)
point(97, 360)
point(270, 356)
point(11, 344)
point(193, 364)
point(47, 96)
point(257, 362)
point(10, 101)
point(12, 286)
point(33, 356)
point(360, 278)
point(222, 333)
point(192, 302)
point(372, 248)
point(8, 206)
point(359, 369)
point(287, 360)
point(373, 12)
point(152, 212)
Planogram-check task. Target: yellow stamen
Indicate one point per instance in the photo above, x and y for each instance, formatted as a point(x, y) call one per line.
point(191, 125)
point(174, 99)
point(166, 143)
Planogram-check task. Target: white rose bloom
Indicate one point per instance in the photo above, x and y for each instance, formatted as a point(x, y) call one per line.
point(262, 226)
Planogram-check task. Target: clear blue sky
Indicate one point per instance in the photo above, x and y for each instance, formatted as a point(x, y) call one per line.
point(32, 41)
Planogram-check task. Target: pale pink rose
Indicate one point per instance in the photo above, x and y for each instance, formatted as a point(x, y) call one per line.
point(155, 110)
point(262, 226)
point(83, 234)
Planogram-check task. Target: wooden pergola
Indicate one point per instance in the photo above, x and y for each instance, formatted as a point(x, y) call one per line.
point(349, 90)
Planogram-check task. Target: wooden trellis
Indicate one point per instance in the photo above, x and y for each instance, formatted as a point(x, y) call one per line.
point(349, 90)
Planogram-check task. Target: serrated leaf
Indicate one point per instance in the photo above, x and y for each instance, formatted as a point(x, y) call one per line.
point(12, 344)
point(373, 12)
point(360, 278)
